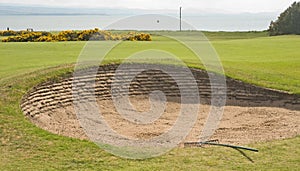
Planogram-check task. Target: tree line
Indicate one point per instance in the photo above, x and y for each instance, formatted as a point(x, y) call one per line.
point(288, 22)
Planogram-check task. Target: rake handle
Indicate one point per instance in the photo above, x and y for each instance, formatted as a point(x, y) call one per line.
point(231, 146)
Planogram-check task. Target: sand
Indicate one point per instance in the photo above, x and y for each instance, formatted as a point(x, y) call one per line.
point(239, 125)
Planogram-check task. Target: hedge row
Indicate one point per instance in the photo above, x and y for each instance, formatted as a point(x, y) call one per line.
point(70, 35)
point(12, 33)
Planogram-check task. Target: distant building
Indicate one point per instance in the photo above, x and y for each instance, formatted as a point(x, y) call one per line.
point(30, 29)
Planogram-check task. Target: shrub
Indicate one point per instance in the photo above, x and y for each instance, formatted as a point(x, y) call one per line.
point(71, 35)
point(45, 39)
point(143, 37)
point(8, 33)
point(132, 36)
point(68, 35)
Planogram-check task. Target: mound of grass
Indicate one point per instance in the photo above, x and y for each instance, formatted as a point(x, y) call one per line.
point(271, 62)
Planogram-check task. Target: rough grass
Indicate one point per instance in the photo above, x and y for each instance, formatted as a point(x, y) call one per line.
point(269, 61)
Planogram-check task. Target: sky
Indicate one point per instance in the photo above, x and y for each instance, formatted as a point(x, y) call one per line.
point(229, 6)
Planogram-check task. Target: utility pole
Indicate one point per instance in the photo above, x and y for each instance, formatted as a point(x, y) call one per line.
point(180, 17)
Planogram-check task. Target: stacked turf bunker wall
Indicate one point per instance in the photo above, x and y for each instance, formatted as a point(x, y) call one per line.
point(57, 94)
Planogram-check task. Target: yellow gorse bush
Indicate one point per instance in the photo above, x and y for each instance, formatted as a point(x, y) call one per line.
point(71, 35)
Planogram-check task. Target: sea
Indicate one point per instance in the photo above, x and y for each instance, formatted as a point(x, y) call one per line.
point(210, 22)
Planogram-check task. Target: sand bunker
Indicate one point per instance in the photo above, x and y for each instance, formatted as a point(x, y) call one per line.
point(240, 125)
point(252, 114)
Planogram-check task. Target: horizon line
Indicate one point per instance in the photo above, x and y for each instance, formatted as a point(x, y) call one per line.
point(191, 10)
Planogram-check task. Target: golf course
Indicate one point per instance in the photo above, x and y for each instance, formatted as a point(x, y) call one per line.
point(251, 57)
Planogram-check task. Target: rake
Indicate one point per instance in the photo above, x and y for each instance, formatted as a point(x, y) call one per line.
point(216, 143)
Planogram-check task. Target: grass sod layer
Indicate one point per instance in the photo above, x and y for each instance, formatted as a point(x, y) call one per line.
point(23, 146)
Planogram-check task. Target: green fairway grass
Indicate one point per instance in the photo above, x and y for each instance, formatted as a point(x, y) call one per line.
point(272, 62)
point(267, 61)
point(18, 58)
